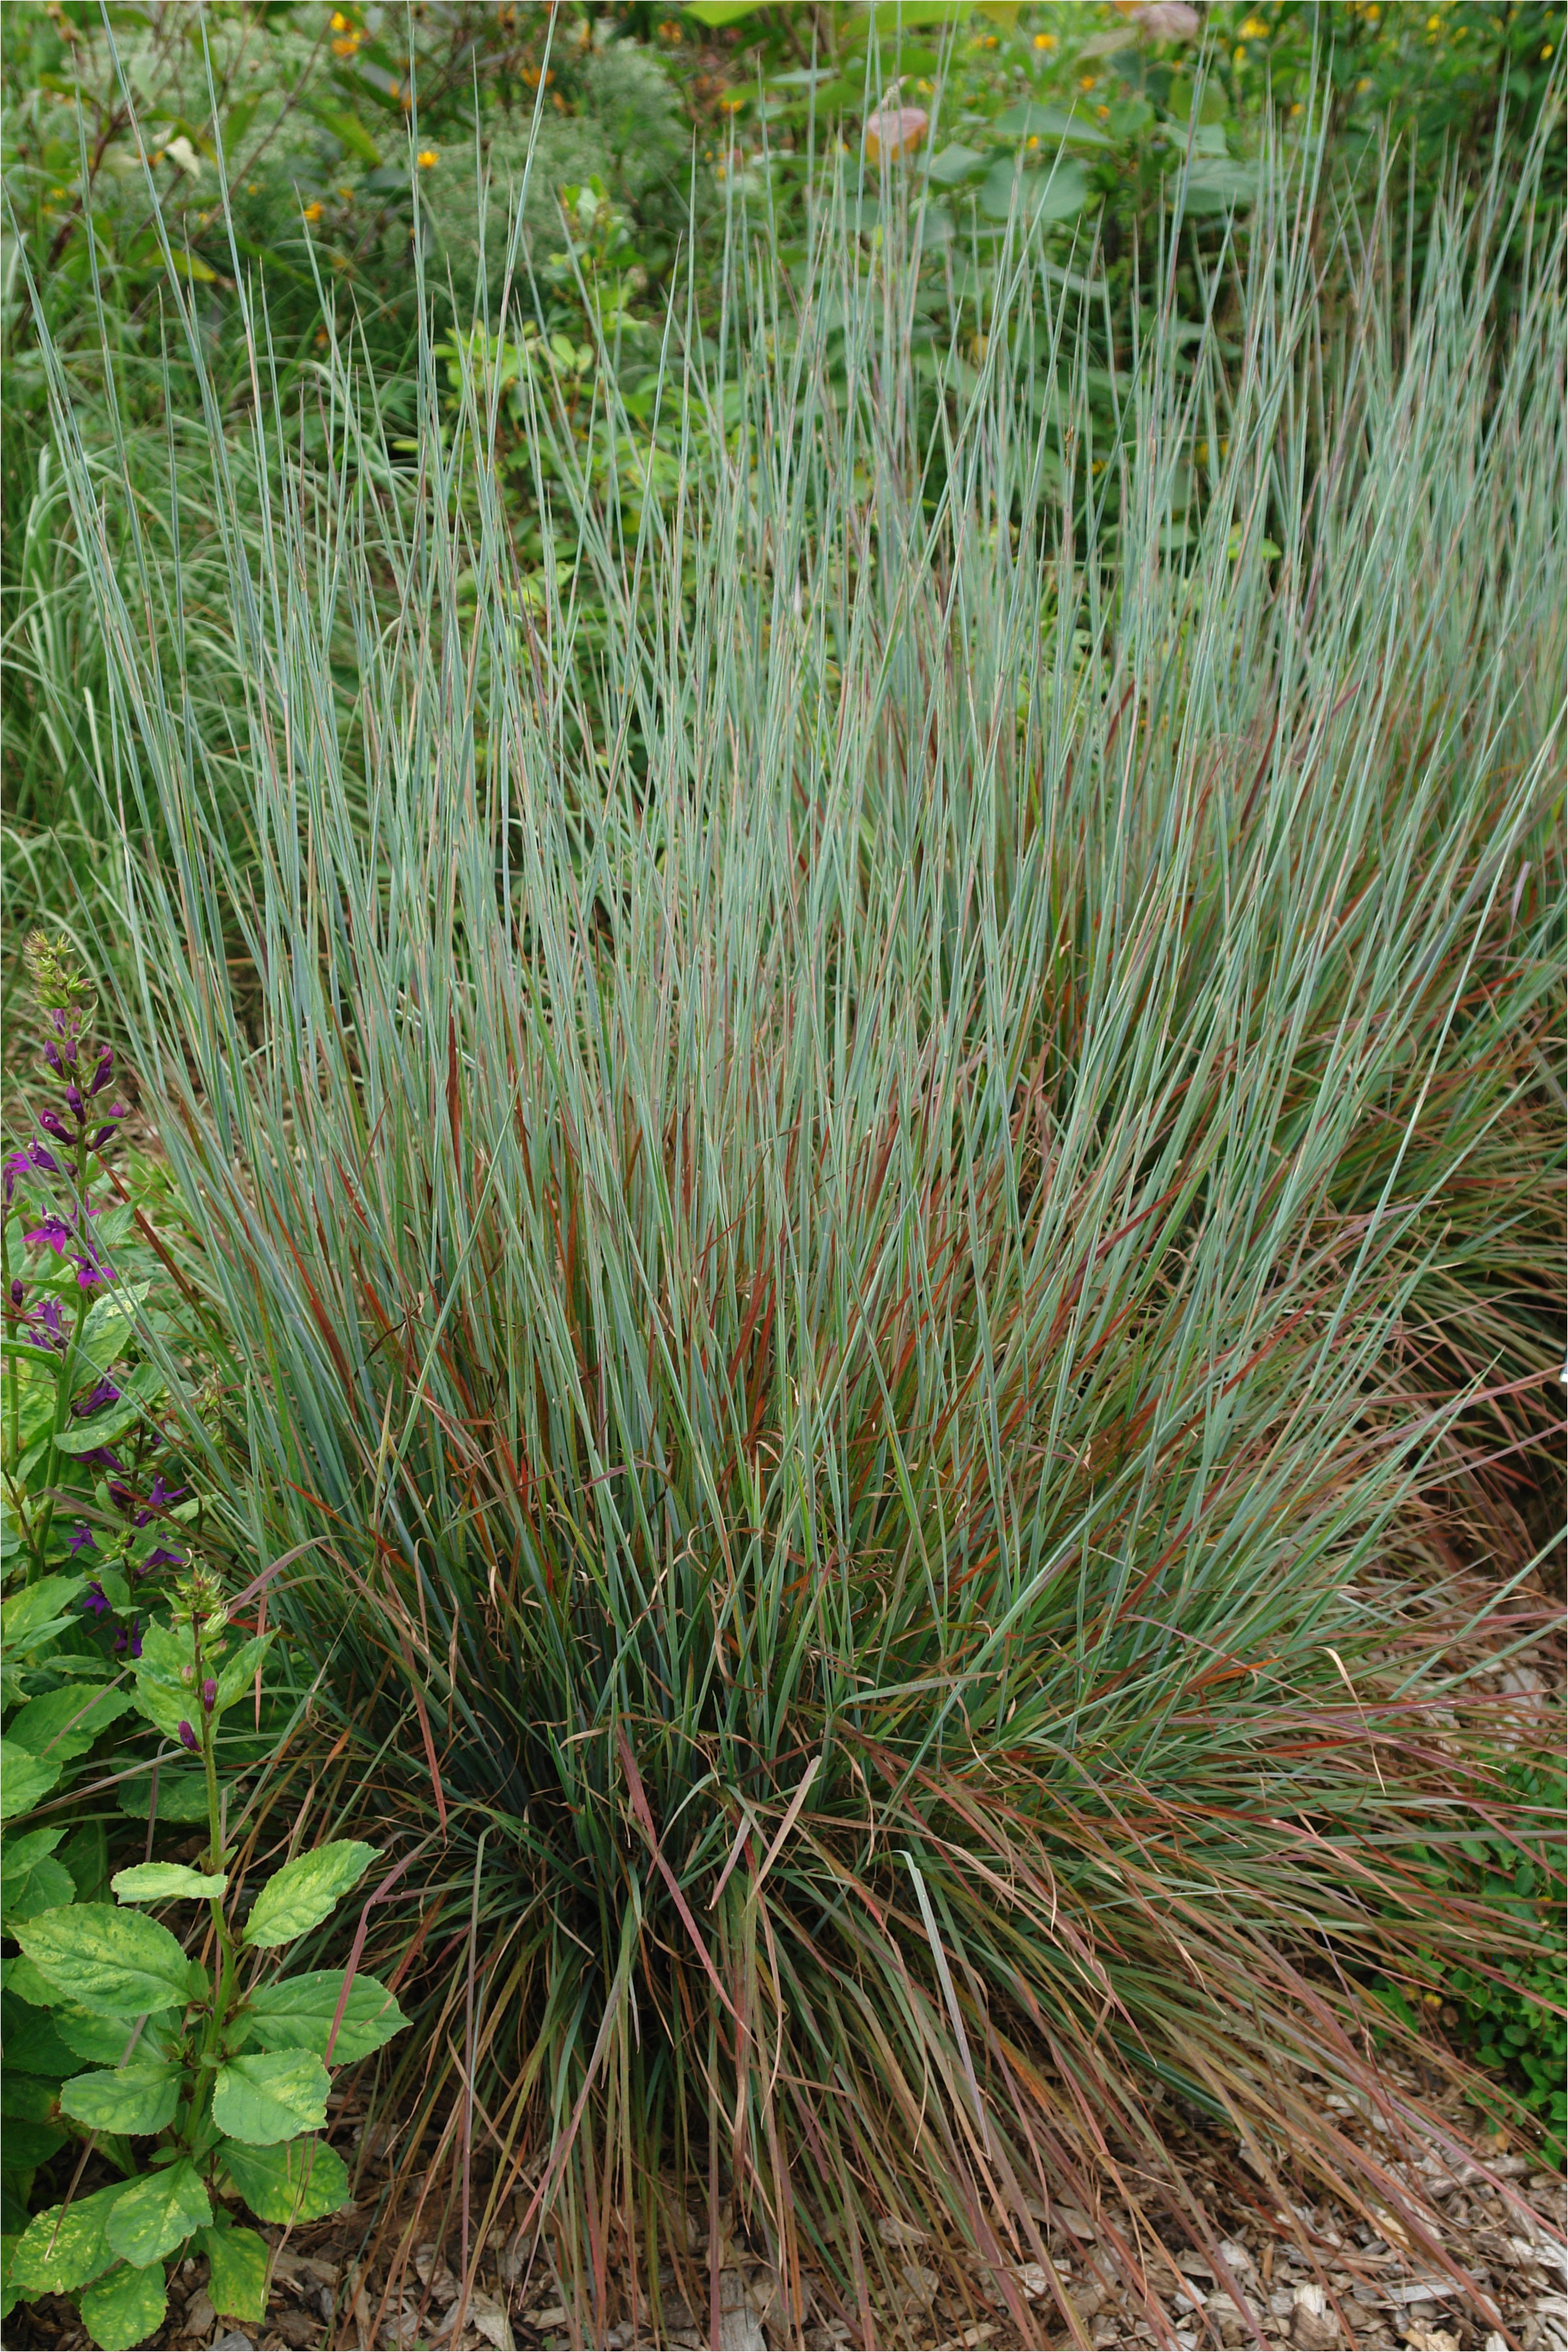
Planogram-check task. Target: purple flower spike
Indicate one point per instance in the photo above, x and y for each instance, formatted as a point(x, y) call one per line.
point(16, 1164)
point(95, 1601)
point(209, 1694)
point(104, 1071)
point(104, 1393)
point(48, 1331)
point(73, 1099)
point(83, 1539)
point(188, 1739)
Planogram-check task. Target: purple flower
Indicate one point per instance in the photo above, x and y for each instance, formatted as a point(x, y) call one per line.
point(104, 1071)
point(161, 1558)
point(130, 1637)
point(188, 1738)
point(83, 1539)
point(95, 1601)
point(53, 1233)
point(160, 1496)
point(209, 1694)
point(52, 1332)
point(96, 1142)
point(92, 1273)
point(65, 1025)
point(18, 1290)
point(16, 1164)
point(53, 1124)
point(101, 1458)
point(104, 1393)
point(73, 1099)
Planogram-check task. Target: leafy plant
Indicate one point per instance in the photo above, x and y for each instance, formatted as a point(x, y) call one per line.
point(224, 2069)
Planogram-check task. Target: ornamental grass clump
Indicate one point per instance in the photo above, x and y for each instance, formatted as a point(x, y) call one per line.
point(859, 1289)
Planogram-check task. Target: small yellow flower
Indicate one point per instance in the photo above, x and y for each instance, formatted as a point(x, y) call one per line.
point(1374, 12)
point(1033, 140)
point(1252, 30)
point(1103, 112)
point(1045, 40)
point(1239, 59)
point(1434, 23)
point(1546, 52)
point(345, 191)
point(312, 212)
point(340, 22)
point(346, 47)
point(250, 187)
point(1364, 84)
point(1086, 81)
point(732, 105)
point(427, 159)
point(1296, 108)
point(670, 30)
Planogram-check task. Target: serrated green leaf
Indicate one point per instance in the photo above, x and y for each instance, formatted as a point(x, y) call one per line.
point(270, 2098)
point(65, 1723)
point(135, 2099)
point(304, 1891)
point(181, 1795)
point(64, 2247)
point(43, 1888)
point(125, 2308)
point(106, 1958)
point(158, 2212)
point(164, 1882)
point(239, 2262)
point(300, 2180)
point(24, 1778)
point(38, 1605)
point(103, 2037)
point(297, 2013)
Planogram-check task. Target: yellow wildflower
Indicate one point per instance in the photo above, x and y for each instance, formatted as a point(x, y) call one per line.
point(427, 159)
point(1045, 40)
point(340, 22)
point(1086, 81)
point(312, 212)
point(1252, 30)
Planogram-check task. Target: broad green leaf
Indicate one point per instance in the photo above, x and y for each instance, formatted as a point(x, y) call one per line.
point(162, 1882)
point(238, 2284)
point(297, 2013)
point(26, 1613)
point(158, 2212)
point(303, 1893)
point(239, 1674)
point(300, 2180)
point(24, 1779)
point(28, 2145)
point(721, 12)
point(46, 1887)
point(1048, 124)
point(107, 1958)
point(125, 2308)
point(63, 2248)
point(105, 2038)
point(103, 1428)
point(19, 1854)
point(30, 2098)
point(65, 1723)
point(34, 2043)
point(954, 163)
point(270, 2098)
point(181, 1795)
point(138, 2098)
